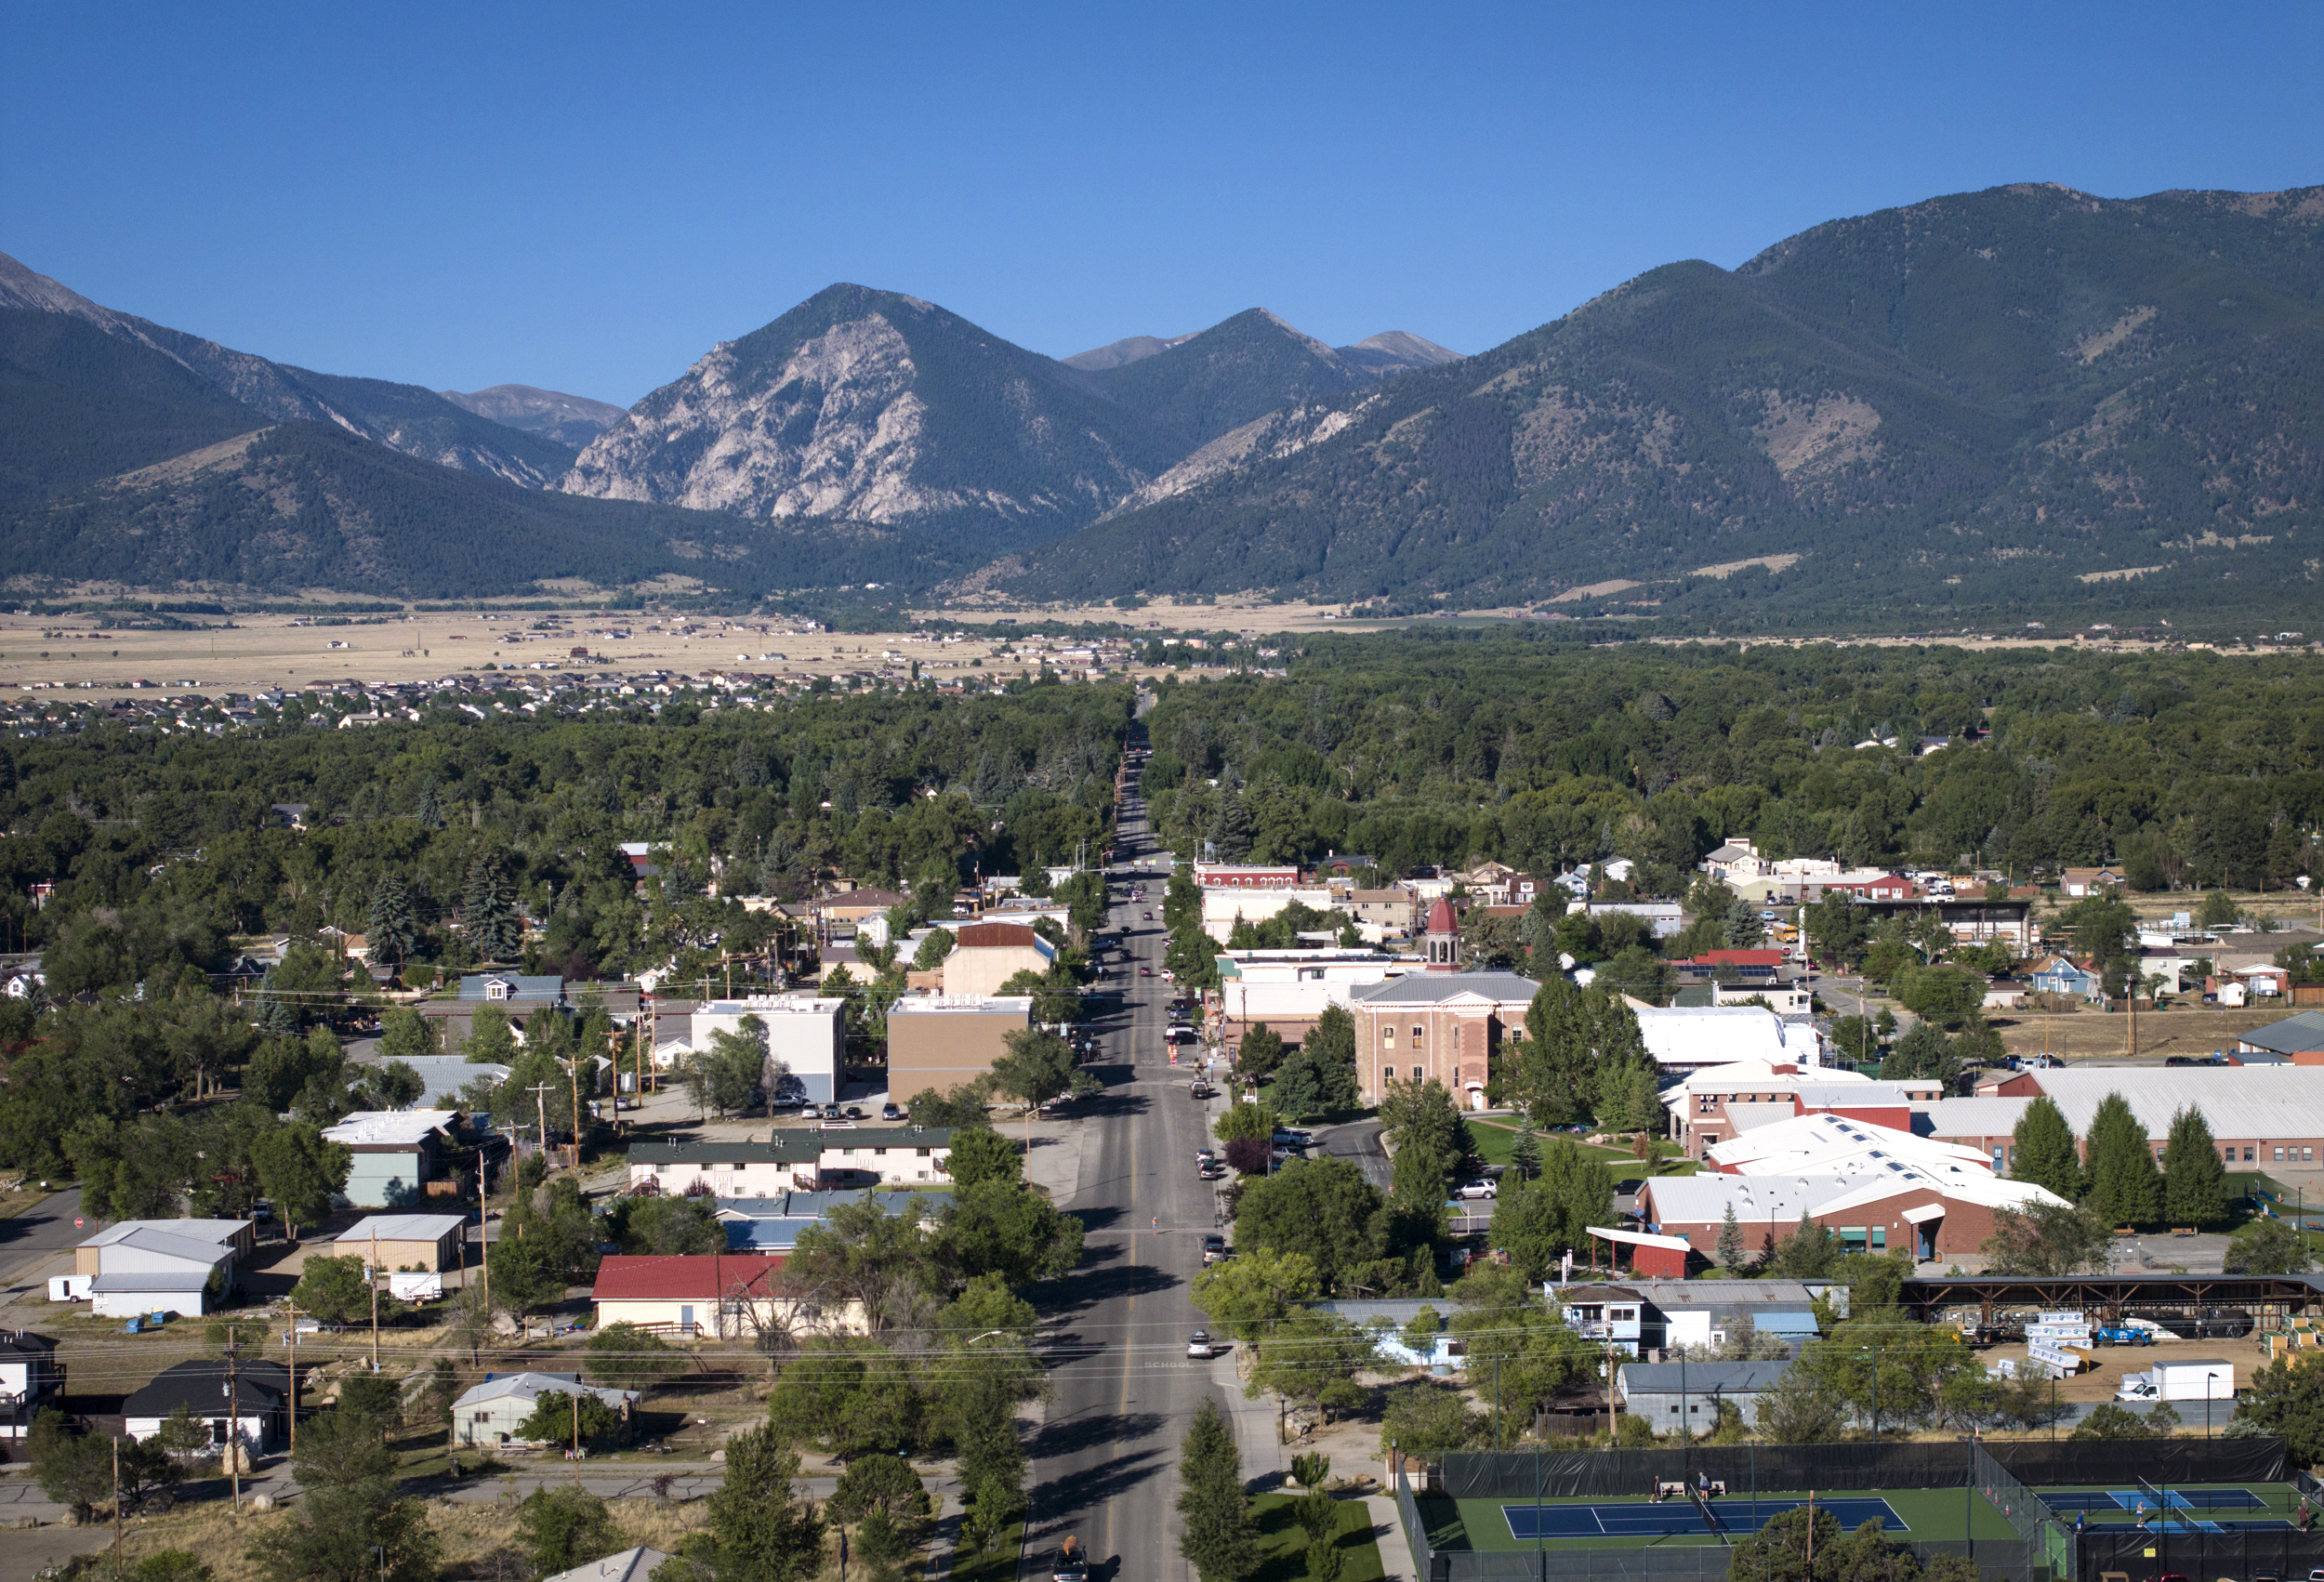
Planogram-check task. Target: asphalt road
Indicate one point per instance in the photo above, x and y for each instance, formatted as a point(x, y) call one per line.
point(29, 1240)
point(1105, 1462)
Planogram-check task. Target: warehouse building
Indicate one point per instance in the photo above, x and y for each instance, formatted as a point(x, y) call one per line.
point(946, 1041)
point(1895, 1208)
point(2258, 1115)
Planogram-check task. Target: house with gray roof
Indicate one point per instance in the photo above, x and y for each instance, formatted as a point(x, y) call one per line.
point(2292, 1037)
point(1670, 1396)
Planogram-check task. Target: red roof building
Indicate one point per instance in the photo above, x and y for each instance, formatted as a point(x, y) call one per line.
point(626, 1277)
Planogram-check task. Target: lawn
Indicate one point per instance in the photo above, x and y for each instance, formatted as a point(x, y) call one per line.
point(997, 1563)
point(1495, 1139)
point(1283, 1547)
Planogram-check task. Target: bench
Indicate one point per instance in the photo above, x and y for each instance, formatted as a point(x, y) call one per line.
point(2182, 1229)
point(2126, 1229)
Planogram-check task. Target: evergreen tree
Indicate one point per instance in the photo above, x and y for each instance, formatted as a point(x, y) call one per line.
point(1230, 832)
point(759, 1530)
point(2043, 1150)
point(1524, 1156)
point(2194, 1181)
point(1221, 1539)
point(489, 909)
point(2124, 1189)
point(277, 1017)
point(1730, 1242)
point(391, 931)
point(431, 810)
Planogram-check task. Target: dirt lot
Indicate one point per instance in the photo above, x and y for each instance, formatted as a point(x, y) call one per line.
point(2089, 1032)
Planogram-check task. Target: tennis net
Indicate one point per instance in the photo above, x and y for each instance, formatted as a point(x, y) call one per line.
point(1702, 1503)
point(2162, 1503)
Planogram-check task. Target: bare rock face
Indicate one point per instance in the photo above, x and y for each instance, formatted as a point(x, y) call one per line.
point(880, 411)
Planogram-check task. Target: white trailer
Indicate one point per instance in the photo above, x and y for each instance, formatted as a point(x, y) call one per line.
point(2204, 1380)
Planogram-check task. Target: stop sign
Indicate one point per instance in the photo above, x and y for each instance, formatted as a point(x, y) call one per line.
point(76, 1221)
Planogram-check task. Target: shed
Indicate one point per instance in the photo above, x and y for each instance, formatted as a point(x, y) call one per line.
point(1671, 1395)
point(490, 1412)
point(1662, 1256)
point(405, 1241)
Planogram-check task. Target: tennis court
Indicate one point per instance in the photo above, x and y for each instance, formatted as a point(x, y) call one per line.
point(1676, 1517)
point(2176, 1510)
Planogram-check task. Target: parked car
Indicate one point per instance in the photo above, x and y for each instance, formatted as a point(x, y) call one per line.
point(891, 1112)
point(1145, 972)
point(1214, 1171)
point(855, 1111)
point(1205, 1155)
point(1201, 1347)
point(1214, 1249)
point(832, 1112)
point(1478, 1189)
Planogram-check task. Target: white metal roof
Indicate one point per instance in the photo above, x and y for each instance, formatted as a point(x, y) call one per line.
point(162, 1244)
point(533, 1386)
point(401, 1228)
point(1820, 1144)
point(1968, 1117)
point(408, 1127)
point(212, 1232)
point(2254, 1101)
point(1721, 1035)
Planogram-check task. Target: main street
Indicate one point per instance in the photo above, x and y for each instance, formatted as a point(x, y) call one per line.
point(1104, 1463)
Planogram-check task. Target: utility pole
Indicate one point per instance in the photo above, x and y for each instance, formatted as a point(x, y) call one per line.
point(233, 1418)
point(116, 1508)
point(576, 1435)
point(484, 1235)
point(294, 1378)
point(371, 1270)
point(577, 1056)
point(540, 1093)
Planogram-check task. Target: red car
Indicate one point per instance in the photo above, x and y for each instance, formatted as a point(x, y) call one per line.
point(1145, 972)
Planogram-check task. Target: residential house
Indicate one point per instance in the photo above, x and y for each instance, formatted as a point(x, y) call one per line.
point(1381, 915)
point(1712, 1312)
point(253, 1407)
point(519, 995)
point(2089, 881)
point(730, 1295)
point(1689, 1394)
point(30, 1374)
point(1603, 1315)
point(491, 1413)
point(2063, 977)
point(1411, 1332)
point(397, 1153)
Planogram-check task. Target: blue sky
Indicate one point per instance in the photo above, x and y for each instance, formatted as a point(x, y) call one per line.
point(587, 197)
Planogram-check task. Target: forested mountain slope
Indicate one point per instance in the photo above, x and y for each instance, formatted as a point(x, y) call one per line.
point(1999, 396)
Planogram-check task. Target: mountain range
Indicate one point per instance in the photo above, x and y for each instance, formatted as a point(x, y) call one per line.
point(2022, 396)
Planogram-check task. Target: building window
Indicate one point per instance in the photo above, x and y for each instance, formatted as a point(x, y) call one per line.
point(2280, 1157)
point(921, 1152)
point(2307, 1155)
point(1880, 1235)
point(1388, 1037)
point(1388, 1074)
point(2249, 1155)
point(880, 1153)
point(1416, 1037)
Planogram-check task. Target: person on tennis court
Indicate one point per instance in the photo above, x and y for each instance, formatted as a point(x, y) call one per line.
point(1702, 1482)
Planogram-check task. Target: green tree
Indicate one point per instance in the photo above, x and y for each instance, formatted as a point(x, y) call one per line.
point(2266, 1246)
point(885, 1484)
point(2124, 1187)
point(341, 1448)
point(1427, 1420)
point(556, 1417)
point(1040, 1066)
point(665, 1227)
point(488, 910)
point(1249, 1295)
point(392, 933)
point(75, 1469)
point(2110, 1421)
point(334, 1289)
point(934, 947)
point(1000, 1228)
point(1221, 1537)
point(759, 1529)
point(1259, 1053)
point(1430, 1139)
point(2044, 1151)
point(1313, 1358)
point(490, 1039)
point(1730, 1242)
point(2047, 1239)
point(1572, 1035)
point(1803, 1407)
point(1525, 1154)
point(1246, 1118)
point(559, 1528)
point(1535, 1223)
point(1512, 1336)
point(630, 1358)
point(1324, 1210)
point(2194, 1181)
point(980, 1155)
point(2286, 1397)
point(350, 1533)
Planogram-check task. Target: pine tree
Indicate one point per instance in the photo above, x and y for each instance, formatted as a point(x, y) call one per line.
point(489, 909)
point(2124, 1189)
point(1730, 1242)
point(391, 931)
point(277, 1017)
point(1230, 832)
point(2194, 1181)
point(2043, 1150)
point(431, 810)
point(1221, 1540)
point(1526, 1156)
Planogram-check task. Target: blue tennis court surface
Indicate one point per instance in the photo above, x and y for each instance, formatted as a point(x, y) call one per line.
point(1637, 1518)
point(2132, 1499)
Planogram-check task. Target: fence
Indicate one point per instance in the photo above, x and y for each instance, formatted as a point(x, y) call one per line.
point(2037, 1526)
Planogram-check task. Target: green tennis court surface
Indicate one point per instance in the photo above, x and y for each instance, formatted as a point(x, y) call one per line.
point(1929, 1515)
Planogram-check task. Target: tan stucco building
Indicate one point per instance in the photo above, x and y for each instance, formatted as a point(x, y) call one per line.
point(942, 1041)
point(985, 955)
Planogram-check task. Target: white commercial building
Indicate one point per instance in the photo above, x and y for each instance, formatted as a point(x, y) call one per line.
point(1222, 907)
point(806, 1035)
point(1690, 1039)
